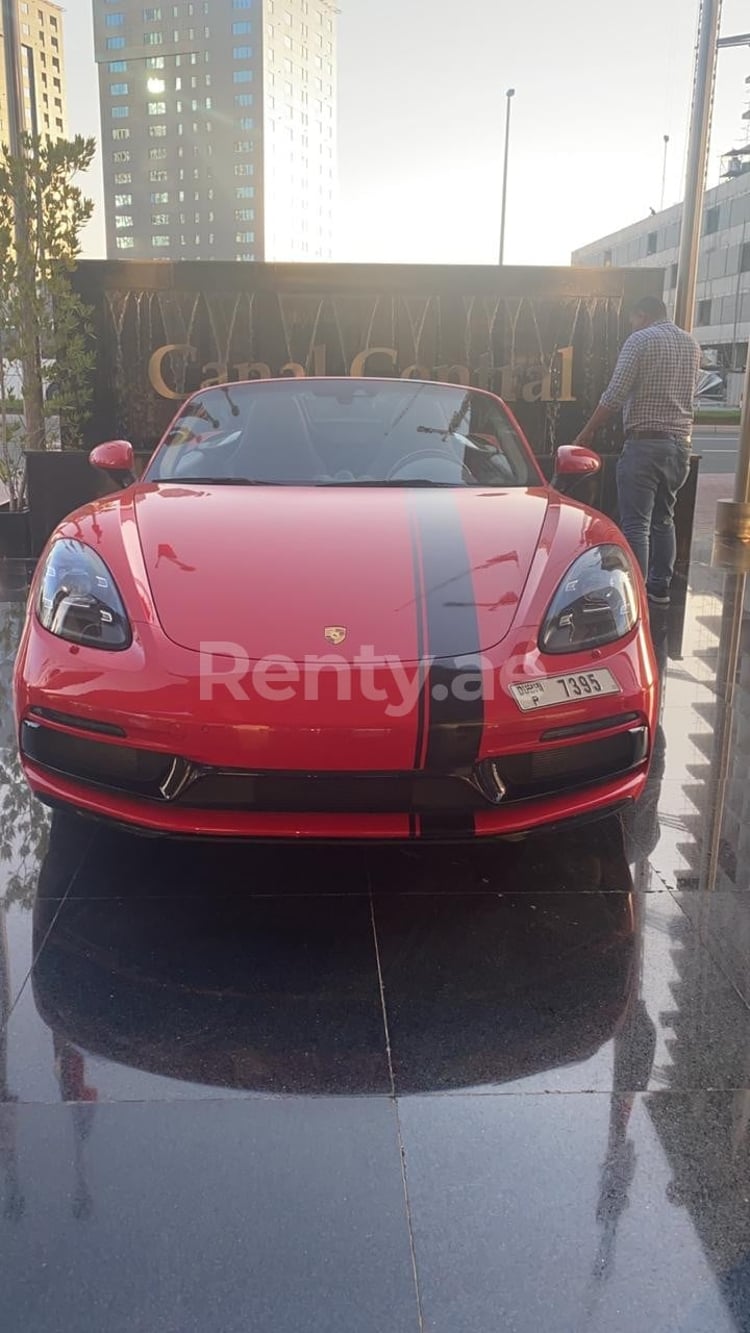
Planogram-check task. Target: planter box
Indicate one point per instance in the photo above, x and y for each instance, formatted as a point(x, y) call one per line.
point(59, 481)
point(15, 539)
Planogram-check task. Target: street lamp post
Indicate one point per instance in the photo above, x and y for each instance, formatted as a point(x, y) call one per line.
point(695, 181)
point(510, 94)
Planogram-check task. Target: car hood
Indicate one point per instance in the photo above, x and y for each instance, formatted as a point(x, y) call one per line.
point(285, 571)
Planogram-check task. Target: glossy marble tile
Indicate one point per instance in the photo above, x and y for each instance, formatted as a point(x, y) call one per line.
point(276, 1214)
point(581, 1212)
point(555, 992)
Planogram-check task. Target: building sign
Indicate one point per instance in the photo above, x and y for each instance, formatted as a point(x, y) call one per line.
point(545, 339)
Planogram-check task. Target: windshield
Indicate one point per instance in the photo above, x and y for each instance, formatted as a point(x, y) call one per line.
point(354, 432)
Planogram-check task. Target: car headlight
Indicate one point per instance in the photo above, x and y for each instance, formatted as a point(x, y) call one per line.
point(78, 599)
point(595, 604)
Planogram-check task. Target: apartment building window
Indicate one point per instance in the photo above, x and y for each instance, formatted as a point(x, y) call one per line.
point(153, 39)
point(243, 99)
point(243, 169)
point(123, 221)
point(246, 123)
point(117, 89)
point(114, 20)
point(155, 62)
point(245, 192)
point(123, 178)
point(673, 276)
point(115, 43)
point(155, 85)
point(745, 258)
point(242, 53)
point(243, 146)
point(157, 108)
point(117, 66)
point(159, 219)
point(242, 76)
point(156, 176)
point(120, 112)
point(152, 16)
point(651, 242)
point(123, 200)
point(159, 241)
point(241, 28)
point(120, 134)
point(712, 220)
point(245, 237)
point(703, 313)
point(244, 214)
point(160, 197)
point(125, 243)
point(157, 131)
point(122, 156)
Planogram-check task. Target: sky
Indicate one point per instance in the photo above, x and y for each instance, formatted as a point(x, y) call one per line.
point(422, 88)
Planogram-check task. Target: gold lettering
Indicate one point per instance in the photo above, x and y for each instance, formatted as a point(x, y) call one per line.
point(565, 394)
point(454, 375)
point(253, 370)
point(416, 373)
point(319, 359)
point(220, 374)
point(155, 372)
point(292, 370)
point(359, 364)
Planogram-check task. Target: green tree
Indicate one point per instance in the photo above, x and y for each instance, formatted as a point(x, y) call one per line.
point(44, 326)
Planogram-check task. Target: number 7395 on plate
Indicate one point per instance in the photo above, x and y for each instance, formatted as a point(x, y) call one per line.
point(548, 691)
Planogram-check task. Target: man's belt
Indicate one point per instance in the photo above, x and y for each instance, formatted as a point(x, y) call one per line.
point(654, 435)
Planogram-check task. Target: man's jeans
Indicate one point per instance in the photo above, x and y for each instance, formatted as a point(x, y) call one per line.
point(649, 475)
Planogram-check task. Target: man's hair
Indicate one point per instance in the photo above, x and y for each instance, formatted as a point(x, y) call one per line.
point(651, 306)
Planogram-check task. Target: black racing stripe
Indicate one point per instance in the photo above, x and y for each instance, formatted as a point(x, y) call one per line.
point(421, 649)
point(454, 682)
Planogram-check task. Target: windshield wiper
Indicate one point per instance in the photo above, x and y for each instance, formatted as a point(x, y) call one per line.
point(214, 481)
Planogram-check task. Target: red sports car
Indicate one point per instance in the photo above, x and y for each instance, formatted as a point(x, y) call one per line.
point(338, 609)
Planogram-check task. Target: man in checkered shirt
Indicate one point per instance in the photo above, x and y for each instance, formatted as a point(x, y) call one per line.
point(654, 384)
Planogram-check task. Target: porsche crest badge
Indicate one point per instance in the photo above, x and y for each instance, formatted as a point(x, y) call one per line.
point(335, 633)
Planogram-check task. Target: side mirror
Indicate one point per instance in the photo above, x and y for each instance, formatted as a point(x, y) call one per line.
point(574, 467)
point(117, 459)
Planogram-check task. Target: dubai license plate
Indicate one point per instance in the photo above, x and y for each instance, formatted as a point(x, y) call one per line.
point(549, 691)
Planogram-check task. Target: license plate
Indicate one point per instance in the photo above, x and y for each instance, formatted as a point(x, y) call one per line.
point(549, 691)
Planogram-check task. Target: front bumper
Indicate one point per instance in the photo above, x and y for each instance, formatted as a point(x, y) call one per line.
point(168, 793)
point(135, 744)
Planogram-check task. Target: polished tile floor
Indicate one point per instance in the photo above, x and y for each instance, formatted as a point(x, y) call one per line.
point(309, 1090)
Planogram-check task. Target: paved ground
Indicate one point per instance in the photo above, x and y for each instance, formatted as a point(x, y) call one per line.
point(319, 1090)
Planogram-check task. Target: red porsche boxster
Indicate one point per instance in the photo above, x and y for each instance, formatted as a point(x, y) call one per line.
point(339, 609)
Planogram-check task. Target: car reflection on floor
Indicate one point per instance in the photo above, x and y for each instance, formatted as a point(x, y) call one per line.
point(279, 992)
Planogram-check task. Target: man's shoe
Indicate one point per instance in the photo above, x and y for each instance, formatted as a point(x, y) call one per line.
point(659, 598)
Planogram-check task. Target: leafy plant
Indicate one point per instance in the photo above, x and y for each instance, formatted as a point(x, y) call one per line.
point(44, 326)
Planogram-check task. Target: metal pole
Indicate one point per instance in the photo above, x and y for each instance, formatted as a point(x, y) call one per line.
point(508, 98)
point(664, 172)
point(695, 181)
